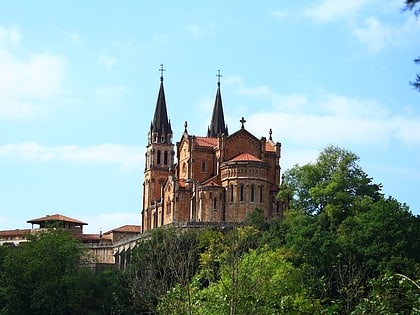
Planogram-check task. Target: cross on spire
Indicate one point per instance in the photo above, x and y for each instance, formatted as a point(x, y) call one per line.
point(242, 121)
point(161, 71)
point(218, 75)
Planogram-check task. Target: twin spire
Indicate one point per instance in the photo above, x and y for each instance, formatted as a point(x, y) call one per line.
point(160, 127)
point(217, 123)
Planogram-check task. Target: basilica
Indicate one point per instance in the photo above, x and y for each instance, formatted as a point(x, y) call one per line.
point(215, 178)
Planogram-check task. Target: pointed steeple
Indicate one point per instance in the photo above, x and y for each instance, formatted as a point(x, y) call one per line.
point(217, 124)
point(160, 128)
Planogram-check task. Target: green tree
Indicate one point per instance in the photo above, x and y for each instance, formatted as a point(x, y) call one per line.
point(41, 276)
point(342, 232)
point(169, 258)
point(265, 283)
point(335, 185)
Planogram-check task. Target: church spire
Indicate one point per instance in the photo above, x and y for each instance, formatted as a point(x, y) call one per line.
point(160, 128)
point(217, 124)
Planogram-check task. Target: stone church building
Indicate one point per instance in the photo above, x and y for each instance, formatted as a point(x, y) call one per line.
point(219, 177)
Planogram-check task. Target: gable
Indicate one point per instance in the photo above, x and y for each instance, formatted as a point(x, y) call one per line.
point(242, 141)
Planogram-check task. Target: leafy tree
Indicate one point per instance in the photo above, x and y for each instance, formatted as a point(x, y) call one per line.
point(168, 259)
point(334, 185)
point(40, 276)
point(413, 5)
point(342, 232)
point(391, 294)
point(265, 283)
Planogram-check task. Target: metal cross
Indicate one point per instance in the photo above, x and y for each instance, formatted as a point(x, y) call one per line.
point(218, 75)
point(242, 121)
point(161, 71)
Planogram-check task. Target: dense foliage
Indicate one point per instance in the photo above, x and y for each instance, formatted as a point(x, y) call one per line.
point(342, 248)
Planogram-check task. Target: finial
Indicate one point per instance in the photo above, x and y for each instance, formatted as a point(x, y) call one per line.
point(218, 75)
point(161, 71)
point(185, 126)
point(270, 133)
point(242, 121)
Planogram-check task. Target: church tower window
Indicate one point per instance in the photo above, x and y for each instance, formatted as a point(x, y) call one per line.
point(158, 157)
point(165, 158)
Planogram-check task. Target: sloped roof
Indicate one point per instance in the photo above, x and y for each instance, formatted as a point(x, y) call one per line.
point(206, 141)
point(56, 217)
point(126, 229)
point(245, 156)
point(211, 184)
point(217, 124)
point(17, 232)
point(160, 123)
point(269, 147)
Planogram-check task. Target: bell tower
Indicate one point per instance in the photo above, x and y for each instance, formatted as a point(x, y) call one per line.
point(159, 161)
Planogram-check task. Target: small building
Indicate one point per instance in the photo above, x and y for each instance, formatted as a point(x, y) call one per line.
point(59, 221)
point(14, 237)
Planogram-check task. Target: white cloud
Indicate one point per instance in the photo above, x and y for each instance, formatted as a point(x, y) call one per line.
point(12, 35)
point(329, 118)
point(106, 61)
point(126, 157)
point(377, 35)
point(27, 84)
point(74, 37)
point(331, 10)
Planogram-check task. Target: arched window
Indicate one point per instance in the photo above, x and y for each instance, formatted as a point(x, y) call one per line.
point(214, 202)
point(241, 194)
point(252, 192)
point(165, 158)
point(261, 194)
point(231, 193)
point(158, 157)
point(203, 166)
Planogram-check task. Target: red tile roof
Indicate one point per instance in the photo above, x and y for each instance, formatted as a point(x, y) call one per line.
point(126, 229)
point(17, 232)
point(206, 141)
point(245, 156)
point(269, 147)
point(212, 183)
point(56, 217)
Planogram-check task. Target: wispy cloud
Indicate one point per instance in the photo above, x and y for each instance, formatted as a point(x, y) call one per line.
point(11, 34)
point(74, 37)
point(376, 35)
point(332, 10)
point(106, 61)
point(26, 84)
point(330, 118)
point(126, 157)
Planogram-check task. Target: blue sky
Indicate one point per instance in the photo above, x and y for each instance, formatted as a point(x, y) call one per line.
point(79, 82)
